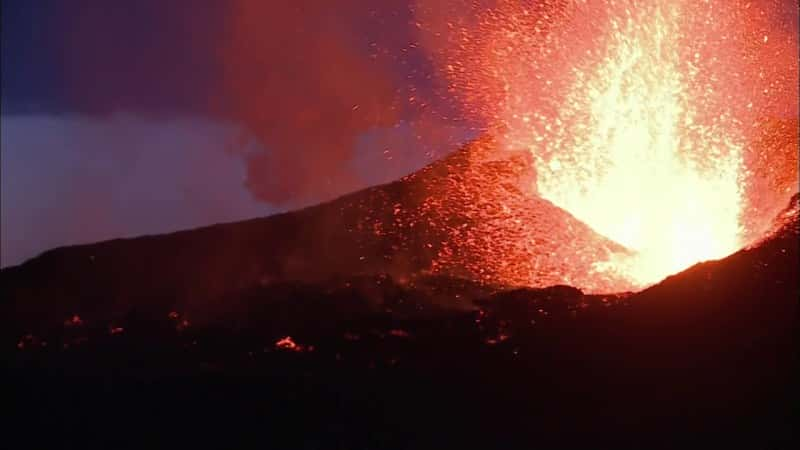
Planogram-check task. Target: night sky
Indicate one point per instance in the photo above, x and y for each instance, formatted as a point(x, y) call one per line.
point(124, 118)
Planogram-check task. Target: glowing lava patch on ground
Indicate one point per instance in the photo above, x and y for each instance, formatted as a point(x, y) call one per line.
point(641, 117)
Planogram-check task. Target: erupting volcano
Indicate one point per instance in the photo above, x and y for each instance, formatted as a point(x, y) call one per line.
point(642, 117)
point(610, 260)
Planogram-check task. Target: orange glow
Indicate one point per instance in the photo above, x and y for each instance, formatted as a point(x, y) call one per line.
point(625, 155)
point(288, 344)
point(639, 116)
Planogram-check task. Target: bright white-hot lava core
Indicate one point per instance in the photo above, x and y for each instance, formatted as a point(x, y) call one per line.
point(638, 114)
point(625, 155)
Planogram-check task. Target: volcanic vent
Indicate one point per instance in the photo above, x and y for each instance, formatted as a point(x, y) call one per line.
point(479, 216)
point(645, 120)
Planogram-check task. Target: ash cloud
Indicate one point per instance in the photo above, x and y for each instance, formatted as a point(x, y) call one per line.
point(304, 79)
point(308, 78)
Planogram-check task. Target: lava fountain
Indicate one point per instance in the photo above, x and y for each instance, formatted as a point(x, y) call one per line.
point(638, 114)
point(641, 169)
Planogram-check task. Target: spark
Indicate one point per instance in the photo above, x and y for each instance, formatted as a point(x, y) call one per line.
point(642, 119)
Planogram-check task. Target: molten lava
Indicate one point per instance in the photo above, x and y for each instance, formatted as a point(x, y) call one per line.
point(625, 155)
point(639, 115)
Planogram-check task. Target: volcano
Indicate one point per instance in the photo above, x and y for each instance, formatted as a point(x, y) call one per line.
point(466, 216)
point(440, 309)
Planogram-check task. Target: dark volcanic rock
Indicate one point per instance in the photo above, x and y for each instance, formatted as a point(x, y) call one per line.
point(705, 359)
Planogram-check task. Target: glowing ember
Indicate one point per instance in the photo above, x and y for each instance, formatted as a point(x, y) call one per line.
point(639, 115)
point(74, 321)
point(288, 344)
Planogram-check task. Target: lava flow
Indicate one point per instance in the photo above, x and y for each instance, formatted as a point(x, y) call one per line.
point(640, 115)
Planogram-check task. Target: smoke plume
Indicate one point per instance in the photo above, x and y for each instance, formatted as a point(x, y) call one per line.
point(305, 82)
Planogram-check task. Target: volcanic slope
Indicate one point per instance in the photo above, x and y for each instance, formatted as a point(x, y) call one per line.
point(471, 215)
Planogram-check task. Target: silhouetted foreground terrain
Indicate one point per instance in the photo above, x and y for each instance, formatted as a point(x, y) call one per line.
point(352, 325)
point(705, 359)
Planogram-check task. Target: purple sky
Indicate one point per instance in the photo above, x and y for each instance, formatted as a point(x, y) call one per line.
point(73, 179)
point(70, 179)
